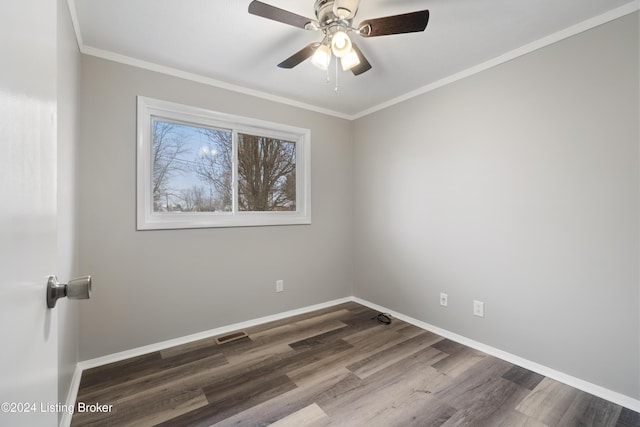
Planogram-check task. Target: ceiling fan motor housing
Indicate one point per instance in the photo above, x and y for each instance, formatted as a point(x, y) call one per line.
point(326, 16)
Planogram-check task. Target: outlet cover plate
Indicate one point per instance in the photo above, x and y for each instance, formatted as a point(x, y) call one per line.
point(444, 299)
point(478, 308)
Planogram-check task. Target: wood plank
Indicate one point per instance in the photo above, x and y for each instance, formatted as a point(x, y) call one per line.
point(523, 377)
point(400, 391)
point(288, 330)
point(100, 375)
point(513, 418)
point(364, 344)
point(309, 416)
point(290, 402)
point(448, 346)
point(255, 354)
point(589, 410)
point(187, 347)
point(347, 310)
point(166, 413)
point(413, 410)
point(459, 362)
point(320, 339)
point(478, 379)
point(242, 398)
point(381, 360)
point(628, 418)
point(412, 331)
point(491, 405)
point(148, 409)
point(296, 333)
point(548, 401)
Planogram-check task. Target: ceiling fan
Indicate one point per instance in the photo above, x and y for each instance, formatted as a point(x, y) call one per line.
point(335, 19)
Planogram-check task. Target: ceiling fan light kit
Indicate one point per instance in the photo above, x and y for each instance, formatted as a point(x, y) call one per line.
point(334, 19)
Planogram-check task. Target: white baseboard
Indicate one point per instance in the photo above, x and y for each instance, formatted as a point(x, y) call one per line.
point(596, 390)
point(586, 386)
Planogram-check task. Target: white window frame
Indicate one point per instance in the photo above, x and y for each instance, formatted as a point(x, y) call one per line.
point(147, 219)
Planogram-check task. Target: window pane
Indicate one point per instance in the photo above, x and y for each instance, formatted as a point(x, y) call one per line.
point(266, 174)
point(192, 169)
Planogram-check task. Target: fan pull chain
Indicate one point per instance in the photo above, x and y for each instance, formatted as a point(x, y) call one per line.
point(336, 88)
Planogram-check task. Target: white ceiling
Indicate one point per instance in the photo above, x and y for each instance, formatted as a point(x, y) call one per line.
point(220, 42)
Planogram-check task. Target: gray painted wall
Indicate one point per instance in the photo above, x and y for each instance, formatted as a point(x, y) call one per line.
point(68, 135)
point(519, 187)
point(151, 286)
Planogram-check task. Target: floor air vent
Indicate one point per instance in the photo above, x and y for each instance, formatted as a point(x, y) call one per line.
point(234, 336)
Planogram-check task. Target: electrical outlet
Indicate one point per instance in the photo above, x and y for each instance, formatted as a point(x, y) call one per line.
point(443, 299)
point(478, 308)
point(279, 285)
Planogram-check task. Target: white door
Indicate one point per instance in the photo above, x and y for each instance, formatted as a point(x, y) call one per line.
point(28, 212)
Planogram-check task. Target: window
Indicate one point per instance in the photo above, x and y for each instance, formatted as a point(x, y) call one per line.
point(198, 168)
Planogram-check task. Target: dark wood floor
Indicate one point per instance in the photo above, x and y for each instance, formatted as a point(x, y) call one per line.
point(338, 366)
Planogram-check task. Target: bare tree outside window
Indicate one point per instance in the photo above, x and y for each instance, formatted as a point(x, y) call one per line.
point(180, 154)
point(214, 166)
point(266, 174)
point(167, 149)
point(195, 199)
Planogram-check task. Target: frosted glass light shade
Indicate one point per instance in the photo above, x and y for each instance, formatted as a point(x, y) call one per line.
point(350, 60)
point(321, 57)
point(340, 44)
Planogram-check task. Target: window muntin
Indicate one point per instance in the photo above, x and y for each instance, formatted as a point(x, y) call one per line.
point(198, 168)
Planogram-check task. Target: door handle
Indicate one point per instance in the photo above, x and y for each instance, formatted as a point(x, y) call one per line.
point(78, 288)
